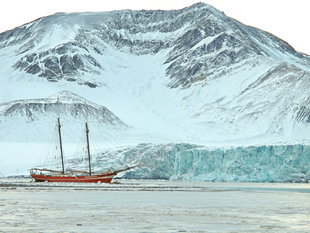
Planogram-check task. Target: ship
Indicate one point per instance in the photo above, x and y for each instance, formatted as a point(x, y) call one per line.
point(77, 176)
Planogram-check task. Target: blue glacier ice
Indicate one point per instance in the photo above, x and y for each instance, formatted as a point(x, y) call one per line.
point(267, 163)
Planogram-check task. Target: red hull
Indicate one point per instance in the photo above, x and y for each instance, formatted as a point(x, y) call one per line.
point(103, 178)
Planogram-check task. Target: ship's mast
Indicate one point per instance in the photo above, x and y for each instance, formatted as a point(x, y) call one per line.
point(60, 143)
point(88, 151)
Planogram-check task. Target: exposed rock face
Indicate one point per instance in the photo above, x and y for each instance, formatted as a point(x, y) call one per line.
point(62, 62)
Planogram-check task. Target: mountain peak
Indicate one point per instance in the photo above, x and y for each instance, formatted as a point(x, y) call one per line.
point(66, 96)
point(200, 5)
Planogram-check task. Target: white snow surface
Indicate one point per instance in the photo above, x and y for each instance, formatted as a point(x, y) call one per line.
point(157, 206)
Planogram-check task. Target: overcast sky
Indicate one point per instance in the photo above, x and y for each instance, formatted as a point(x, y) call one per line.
point(287, 19)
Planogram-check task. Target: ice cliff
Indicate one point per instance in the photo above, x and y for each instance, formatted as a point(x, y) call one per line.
point(272, 163)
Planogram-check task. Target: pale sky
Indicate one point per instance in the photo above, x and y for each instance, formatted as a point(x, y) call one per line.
point(287, 19)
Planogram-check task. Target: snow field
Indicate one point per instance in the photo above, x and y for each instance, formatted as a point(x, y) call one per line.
point(216, 207)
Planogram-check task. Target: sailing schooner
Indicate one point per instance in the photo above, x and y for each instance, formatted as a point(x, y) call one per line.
point(44, 174)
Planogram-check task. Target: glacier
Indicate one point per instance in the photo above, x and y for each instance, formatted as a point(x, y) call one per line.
point(267, 163)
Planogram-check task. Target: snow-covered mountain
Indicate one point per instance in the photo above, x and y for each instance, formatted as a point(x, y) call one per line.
point(194, 72)
point(192, 75)
point(32, 119)
point(63, 104)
